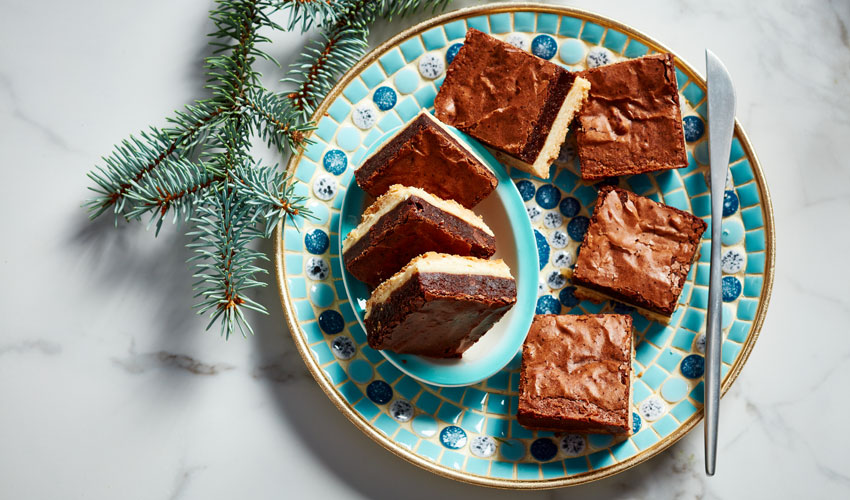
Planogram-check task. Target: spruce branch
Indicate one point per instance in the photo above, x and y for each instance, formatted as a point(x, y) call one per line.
point(130, 161)
point(198, 168)
point(176, 187)
point(225, 263)
point(339, 46)
point(270, 193)
point(276, 121)
point(307, 13)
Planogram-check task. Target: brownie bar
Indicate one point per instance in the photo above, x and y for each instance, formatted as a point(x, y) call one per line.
point(516, 103)
point(406, 222)
point(631, 122)
point(576, 374)
point(439, 305)
point(425, 154)
point(637, 251)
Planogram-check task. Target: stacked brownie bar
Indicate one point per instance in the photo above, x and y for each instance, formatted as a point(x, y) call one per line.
point(439, 305)
point(405, 222)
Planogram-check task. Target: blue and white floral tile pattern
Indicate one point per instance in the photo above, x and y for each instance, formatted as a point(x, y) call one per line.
point(472, 429)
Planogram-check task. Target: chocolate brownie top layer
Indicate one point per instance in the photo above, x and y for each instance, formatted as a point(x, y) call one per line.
point(638, 250)
point(584, 358)
point(631, 122)
point(426, 155)
point(502, 95)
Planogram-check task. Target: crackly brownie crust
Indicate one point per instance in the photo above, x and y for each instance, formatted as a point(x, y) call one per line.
point(576, 374)
point(631, 122)
point(439, 314)
point(412, 228)
point(637, 250)
point(426, 156)
point(501, 95)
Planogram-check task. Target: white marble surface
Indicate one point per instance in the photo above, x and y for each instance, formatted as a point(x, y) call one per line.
point(109, 387)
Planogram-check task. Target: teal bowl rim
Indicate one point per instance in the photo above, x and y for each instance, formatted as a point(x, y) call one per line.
point(522, 313)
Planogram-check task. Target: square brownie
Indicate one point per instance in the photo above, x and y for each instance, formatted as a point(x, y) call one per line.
point(439, 305)
point(427, 155)
point(637, 251)
point(514, 102)
point(631, 122)
point(405, 222)
point(576, 374)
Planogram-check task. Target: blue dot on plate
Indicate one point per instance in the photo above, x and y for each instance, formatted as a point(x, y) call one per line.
point(577, 227)
point(731, 288)
point(635, 423)
point(452, 52)
point(453, 437)
point(569, 206)
point(385, 98)
point(730, 203)
point(542, 248)
point(621, 308)
point(548, 196)
point(526, 190)
point(544, 46)
point(317, 241)
point(543, 449)
point(335, 161)
point(694, 128)
point(568, 297)
point(379, 392)
point(331, 322)
point(547, 304)
point(693, 366)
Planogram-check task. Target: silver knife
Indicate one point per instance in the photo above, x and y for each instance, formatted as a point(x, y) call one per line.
point(721, 125)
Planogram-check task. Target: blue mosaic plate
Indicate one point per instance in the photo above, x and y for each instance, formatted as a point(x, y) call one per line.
point(504, 212)
point(470, 433)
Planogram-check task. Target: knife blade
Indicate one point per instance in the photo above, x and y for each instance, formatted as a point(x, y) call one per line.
point(721, 125)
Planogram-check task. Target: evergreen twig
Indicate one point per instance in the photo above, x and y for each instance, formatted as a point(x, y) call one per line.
point(176, 189)
point(199, 168)
point(225, 262)
point(339, 46)
point(270, 193)
point(308, 13)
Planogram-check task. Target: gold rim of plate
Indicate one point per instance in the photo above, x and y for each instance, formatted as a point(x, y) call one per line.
point(591, 475)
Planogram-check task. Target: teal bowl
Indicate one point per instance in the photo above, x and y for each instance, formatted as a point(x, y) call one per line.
point(504, 211)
